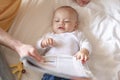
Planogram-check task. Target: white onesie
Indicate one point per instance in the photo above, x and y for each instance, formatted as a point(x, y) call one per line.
point(68, 43)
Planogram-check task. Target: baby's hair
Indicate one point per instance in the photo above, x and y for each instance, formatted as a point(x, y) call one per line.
point(67, 7)
point(70, 8)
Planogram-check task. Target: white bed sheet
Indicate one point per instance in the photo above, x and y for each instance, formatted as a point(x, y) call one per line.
point(100, 21)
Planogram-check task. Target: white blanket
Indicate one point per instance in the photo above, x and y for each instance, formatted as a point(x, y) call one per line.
point(100, 21)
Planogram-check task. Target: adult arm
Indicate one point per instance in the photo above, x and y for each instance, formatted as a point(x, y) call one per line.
point(16, 45)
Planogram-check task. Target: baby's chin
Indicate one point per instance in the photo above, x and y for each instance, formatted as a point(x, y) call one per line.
point(59, 32)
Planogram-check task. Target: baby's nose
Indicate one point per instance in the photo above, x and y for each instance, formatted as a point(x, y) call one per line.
point(62, 22)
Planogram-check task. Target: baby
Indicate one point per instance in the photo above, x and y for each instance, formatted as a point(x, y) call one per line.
point(65, 39)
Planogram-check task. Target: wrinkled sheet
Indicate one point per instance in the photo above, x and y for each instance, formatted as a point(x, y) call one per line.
point(100, 21)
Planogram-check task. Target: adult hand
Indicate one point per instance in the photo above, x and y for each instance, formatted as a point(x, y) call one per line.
point(28, 50)
point(21, 48)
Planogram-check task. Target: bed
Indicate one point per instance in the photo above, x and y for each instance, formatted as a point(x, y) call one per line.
point(99, 20)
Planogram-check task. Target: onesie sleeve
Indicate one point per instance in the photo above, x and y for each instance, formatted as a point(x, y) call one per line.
point(84, 43)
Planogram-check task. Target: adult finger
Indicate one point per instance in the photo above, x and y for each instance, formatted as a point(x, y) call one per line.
point(36, 56)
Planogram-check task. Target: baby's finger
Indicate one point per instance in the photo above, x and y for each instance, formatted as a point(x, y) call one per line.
point(86, 58)
point(50, 41)
point(82, 57)
point(46, 43)
point(83, 61)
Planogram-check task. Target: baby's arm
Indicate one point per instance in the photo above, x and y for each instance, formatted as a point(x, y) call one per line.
point(85, 48)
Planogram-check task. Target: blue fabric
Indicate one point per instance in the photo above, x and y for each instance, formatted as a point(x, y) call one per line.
point(51, 77)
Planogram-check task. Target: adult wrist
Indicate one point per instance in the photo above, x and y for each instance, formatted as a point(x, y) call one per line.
point(15, 45)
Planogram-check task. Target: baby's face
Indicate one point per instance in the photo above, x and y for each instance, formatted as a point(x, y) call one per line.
point(64, 20)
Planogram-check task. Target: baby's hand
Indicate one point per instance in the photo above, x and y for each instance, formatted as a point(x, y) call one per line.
point(47, 42)
point(82, 55)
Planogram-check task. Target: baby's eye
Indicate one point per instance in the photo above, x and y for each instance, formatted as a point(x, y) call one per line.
point(66, 21)
point(56, 20)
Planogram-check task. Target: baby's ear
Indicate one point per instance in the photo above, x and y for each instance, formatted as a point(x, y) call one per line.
point(76, 25)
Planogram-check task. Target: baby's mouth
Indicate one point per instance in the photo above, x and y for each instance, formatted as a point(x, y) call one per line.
point(61, 28)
